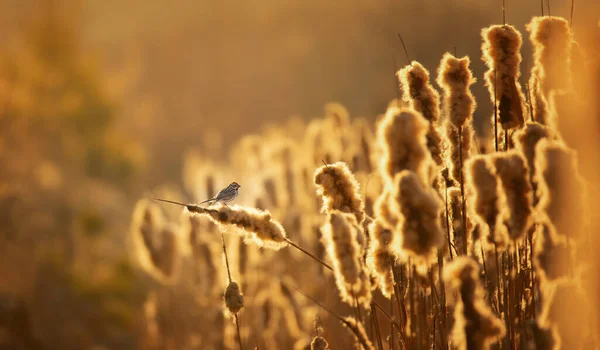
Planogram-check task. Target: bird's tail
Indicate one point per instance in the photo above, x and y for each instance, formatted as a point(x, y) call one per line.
point(172, 202)
point(208, 201)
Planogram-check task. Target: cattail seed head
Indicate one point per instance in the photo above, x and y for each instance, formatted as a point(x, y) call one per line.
point(551, 38)
point(401, 138)
point(501, 53)
point(526, 140)
point(319, 343)
point(475, 326)
point(560, 188)
point(340, 237)
point(455, 78)
point(423, 98)
point(380, 258)
point(339, 189)
point(258, 226)
point(234, 300)
point(551, 254)
point(482, 185)
point(512, 171)
point(420, 233)
point(566, 312)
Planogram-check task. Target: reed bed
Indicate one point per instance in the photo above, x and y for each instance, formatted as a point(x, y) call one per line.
point(399, 233)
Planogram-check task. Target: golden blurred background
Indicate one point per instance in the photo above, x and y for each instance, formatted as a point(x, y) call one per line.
point(101, 101)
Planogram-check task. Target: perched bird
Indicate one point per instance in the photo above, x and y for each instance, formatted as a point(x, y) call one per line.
point(226, 195)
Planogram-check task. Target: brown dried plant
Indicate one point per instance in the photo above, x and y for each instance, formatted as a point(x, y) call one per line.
point(475, 326)
point(423, 98)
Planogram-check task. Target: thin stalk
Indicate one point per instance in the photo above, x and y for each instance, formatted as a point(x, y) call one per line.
point(448, 223)
point(495, 114)
point(237, 321)
point(542, 6)
point(497, 261)
point(309, 254)
point(487, 281)
point(505, 288)
point(530, 239)
point(392, 333)
point(462, 191)
point(405, 50)
point(571, 18)
point(503, 13)
point(377, 330)
point(443, 302)
point(529, 102)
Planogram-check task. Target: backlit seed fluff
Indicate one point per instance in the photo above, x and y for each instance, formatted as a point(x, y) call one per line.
point(526, 140)
point(512, 171)
point(258, 225)
point(552, 39)
point(455, 78)
point(380, 258)
point(551, 254)
point(234, 300)
point(475, 326)
point(401, 139)
point(423, 98)
point(560, 188)
point(482, 187)
point(420, 233)
point(319, 343)
point(340, 237)
point(501, 53)
point(459, 146)
point(339, 189)
point(567, 312)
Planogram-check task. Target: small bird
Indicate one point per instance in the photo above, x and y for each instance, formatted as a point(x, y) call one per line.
point(226, 195)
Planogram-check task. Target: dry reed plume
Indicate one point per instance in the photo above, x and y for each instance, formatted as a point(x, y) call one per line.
point(475, 326)
point(455, 77)
point(512, 172)
point(560, 190)
point(501, 53)
point(423, 98)
point(401, 136)
point(486, 203)
point(339, 189)
point(552, 39)
point(420, 233)
point(340, 236)
point(258, 225)
point(380, 257)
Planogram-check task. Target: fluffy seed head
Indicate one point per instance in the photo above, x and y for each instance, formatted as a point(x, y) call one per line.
point(340, 237)
point(560, 188)
point(258, 225)
point(526, 139)
point(501, 53)
point(423, 98)
point(234, 300)
point(401, 138)
point(319, 343)
point(455, 78)
point(420, 233)
point(551, 254)
point(380, 258)
point(516, 189)
point(339, 188)
point(475, 326)
point(482, 187)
